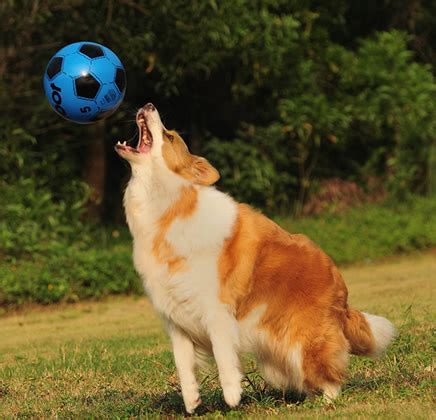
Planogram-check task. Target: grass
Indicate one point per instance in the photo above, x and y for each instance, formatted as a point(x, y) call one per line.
point(112, 358)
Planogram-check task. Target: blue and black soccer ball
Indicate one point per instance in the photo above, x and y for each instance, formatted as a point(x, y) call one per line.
point(85, 82)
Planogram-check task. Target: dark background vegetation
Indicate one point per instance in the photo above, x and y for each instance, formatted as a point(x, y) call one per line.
point(307, 108)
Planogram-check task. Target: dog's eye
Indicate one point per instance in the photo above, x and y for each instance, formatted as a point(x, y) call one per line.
point(170, 137)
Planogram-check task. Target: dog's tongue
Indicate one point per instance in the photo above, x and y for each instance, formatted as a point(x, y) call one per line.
point(144, 148)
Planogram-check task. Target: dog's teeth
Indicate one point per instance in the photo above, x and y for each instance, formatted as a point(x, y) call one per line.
point(118, 142)
point(124, 143)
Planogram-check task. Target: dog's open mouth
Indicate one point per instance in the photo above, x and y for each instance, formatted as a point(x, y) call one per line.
point(145, 141)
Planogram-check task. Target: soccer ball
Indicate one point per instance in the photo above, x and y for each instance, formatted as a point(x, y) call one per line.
point(85, 82)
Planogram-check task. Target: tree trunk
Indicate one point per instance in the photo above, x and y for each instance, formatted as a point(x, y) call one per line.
point(431, 187)
point(195, 138)
point(94, 172)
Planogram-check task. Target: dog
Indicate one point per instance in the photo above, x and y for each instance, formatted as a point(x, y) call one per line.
point(226, 279)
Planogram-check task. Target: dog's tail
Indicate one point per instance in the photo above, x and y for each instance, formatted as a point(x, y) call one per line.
point(368, 335)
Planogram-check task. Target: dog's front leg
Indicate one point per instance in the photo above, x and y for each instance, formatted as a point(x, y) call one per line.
point(224, 335)
point(184, 356)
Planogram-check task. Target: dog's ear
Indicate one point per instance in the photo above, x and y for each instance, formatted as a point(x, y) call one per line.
point(191, 167)
point(200, 171)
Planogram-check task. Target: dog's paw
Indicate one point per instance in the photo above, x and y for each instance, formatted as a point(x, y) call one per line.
point(192, 400)
point(232, 394)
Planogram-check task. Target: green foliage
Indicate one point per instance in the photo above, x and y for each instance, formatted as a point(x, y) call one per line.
point(246, 170)
point(279, 95)
point(371, 231)
point(394, 97)
point(294, 72)
point(48, 254)
point(352, 115)
point(32, 221)
point(69, 273)
point(69, 276)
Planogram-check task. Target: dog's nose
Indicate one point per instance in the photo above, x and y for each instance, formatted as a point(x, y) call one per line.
point(149, 107)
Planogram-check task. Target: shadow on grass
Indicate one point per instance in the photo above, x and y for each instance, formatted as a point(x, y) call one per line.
point(171, 403)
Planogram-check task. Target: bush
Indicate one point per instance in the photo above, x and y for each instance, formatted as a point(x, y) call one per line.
point(371, 231)
point(394, 97)
point(73, 275)
point(48, 254)
point(352, 115)
point(32, 221)
point(245, 171)
point(361, 234)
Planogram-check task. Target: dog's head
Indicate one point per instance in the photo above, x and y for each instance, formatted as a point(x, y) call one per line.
point(165, 147)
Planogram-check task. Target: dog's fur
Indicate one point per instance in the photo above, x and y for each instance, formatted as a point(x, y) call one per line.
point(227, 280)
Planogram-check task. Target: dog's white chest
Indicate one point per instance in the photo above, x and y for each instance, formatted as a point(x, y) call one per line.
point(189, 295)
point(186, 299)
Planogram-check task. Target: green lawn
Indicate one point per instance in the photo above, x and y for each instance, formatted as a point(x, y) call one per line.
point(112, 359)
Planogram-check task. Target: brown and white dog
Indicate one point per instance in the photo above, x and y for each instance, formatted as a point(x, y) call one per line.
point(227, 280)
